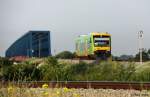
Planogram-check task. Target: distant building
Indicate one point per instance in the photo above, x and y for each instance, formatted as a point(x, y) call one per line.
point(32, 44)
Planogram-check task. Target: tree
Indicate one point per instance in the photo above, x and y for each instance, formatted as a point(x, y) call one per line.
point(148, 53)
point(65, 55)
point(145, 56)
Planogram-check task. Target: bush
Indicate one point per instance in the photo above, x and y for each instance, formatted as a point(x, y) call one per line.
point(24, 71)
point(142, 73)
point(5, 62)
point(77, 71)
point(111, 71)
point(51, 61)
point(51, 70)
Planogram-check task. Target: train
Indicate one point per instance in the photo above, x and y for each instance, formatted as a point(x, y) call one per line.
point(93, 45)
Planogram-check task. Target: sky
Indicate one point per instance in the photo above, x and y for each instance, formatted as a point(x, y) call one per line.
point(67, 19)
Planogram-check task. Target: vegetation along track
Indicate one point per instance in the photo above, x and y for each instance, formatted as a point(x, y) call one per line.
point(83, 84)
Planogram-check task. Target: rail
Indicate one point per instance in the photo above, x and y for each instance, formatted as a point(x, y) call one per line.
point(82, 84)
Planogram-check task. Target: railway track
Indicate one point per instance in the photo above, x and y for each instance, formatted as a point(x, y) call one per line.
point(83, 84)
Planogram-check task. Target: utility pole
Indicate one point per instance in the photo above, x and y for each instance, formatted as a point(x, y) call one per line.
point(27, 52)
point(54, 52)
point(31, 50)
point(39, 46)
point(140, 37)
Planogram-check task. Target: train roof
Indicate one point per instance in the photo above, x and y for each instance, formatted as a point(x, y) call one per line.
point(96, 33)
point(100, 33)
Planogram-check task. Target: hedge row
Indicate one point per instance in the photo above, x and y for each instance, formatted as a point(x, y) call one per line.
point(51, 70)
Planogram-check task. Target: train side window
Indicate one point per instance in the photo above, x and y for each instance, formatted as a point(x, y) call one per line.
point(76, 46)
point(90, 40)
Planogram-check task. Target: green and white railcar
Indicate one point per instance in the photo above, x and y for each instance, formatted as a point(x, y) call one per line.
point(95, 44)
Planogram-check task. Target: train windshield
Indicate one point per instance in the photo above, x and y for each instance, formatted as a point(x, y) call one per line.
point(101, 41)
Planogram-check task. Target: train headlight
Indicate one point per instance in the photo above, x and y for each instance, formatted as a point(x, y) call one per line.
point(96, 44)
